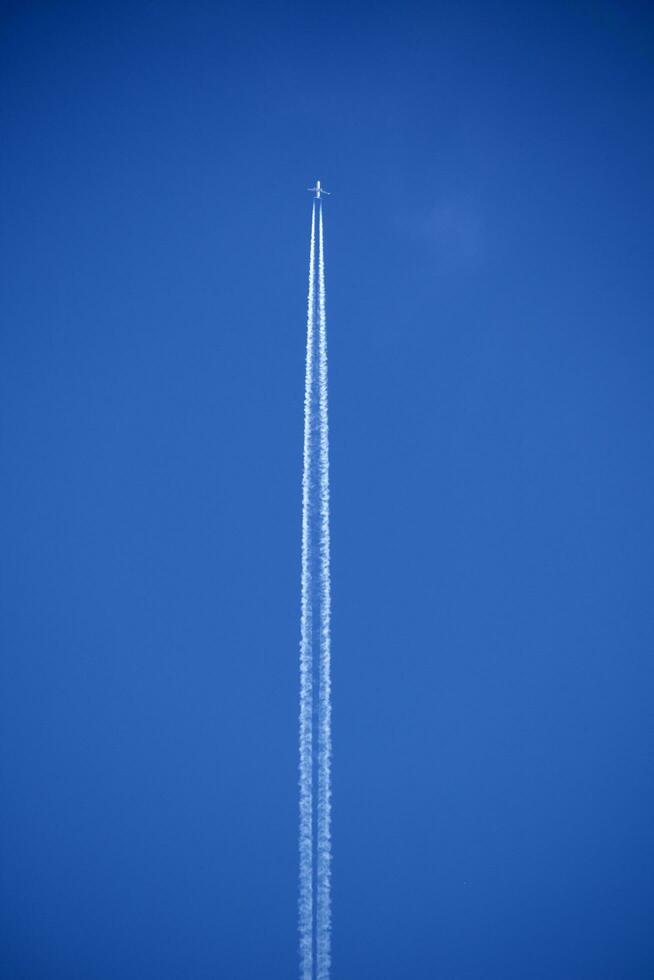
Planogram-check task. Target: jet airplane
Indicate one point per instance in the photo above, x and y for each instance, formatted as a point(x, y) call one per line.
point(318, 191)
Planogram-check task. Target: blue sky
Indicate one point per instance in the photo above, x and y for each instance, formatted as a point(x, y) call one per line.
point(489, 244)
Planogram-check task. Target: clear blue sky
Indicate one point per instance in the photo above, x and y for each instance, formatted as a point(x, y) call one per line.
point(489, 262)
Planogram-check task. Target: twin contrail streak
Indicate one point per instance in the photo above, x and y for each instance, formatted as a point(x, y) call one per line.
point(306, 649)
point(315, 670)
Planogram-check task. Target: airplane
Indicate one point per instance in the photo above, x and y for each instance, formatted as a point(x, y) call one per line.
point(318, 190)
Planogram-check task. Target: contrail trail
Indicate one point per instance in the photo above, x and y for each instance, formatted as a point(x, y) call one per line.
point(315, 672)
point(306, 650)
point(324, 849)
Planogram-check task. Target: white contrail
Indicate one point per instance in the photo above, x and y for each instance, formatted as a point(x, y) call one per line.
point(323, 844)
point(306, 649)
point(315, 719)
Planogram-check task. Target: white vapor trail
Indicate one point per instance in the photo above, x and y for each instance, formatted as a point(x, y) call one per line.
point(306, 651)
point(315, 720)
point(324, 848)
